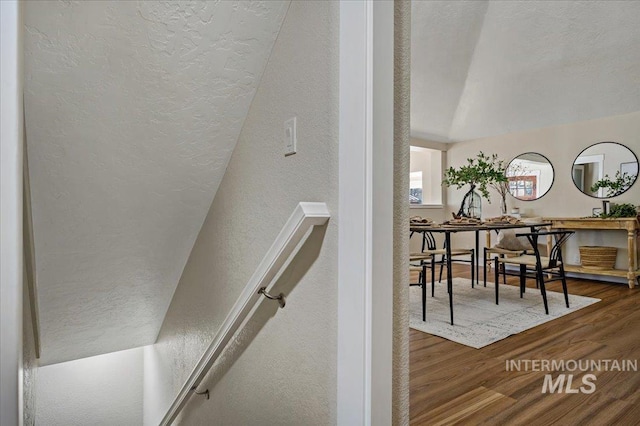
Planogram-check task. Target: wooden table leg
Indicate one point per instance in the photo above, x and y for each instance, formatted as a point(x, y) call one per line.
point(631, 248)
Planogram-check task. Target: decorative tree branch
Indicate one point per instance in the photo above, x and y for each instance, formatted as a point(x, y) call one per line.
point(501, 186)
point(478, 172)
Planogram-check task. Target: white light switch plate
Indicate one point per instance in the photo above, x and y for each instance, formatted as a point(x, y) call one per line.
point(290, 137)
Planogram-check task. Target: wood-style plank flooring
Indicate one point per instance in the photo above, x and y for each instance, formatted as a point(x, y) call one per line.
point(454, 384)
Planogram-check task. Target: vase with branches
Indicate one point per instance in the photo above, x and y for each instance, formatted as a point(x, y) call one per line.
point(479, 173)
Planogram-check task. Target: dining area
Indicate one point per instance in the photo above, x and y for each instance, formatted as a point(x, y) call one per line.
point(551, 262)
point(531, 259)
point(529, 248)
point(530, 244)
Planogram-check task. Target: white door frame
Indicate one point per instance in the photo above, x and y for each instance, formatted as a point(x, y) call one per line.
point(597, 159)
point(365, 269)
point(11, 263)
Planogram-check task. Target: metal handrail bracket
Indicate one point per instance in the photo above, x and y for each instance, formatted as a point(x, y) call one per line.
point(286, 244)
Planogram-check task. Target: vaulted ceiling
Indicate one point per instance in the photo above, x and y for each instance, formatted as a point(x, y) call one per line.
point(484, 68)
point(132, 112)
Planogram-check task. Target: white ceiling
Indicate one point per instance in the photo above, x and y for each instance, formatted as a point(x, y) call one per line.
point(132, 112)
point(489, 68)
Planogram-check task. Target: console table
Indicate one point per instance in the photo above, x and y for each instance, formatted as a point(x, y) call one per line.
point(630, 225)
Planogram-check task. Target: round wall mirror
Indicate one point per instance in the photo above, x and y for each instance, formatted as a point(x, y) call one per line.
point(530, 176)
point(605, 169)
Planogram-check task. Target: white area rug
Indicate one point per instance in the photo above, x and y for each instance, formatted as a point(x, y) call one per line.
point(478, 321)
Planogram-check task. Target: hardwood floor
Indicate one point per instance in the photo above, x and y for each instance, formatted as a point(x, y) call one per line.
point(455, 384)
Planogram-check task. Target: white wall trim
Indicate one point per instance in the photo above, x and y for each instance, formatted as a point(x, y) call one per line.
point(424, 143)
point(11, 263)
point(365, 268)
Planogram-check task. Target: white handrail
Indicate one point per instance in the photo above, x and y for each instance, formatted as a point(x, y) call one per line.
point(285, 245)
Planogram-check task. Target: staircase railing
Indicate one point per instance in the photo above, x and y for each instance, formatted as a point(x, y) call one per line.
point(286, 244)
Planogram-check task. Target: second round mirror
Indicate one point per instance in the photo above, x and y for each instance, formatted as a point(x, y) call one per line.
point(605, 170)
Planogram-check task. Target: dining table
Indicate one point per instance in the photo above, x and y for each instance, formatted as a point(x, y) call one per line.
point(451, 228)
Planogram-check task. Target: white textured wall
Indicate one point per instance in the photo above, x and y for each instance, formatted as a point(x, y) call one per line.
point(283, 369)
point(561, 145)
point(133, 109)
point(157, 395)
point(101, 390)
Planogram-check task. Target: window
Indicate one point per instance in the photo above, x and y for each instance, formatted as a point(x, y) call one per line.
point(524, 187)
point(415, 189)
point(425, 179)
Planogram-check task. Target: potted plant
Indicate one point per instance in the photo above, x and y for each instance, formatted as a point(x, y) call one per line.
point(616, 186)
point(620, 210)
point(478, 173)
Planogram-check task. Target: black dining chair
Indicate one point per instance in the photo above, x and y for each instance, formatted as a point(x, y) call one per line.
point(429, 247)
point(497, 251)
point(538, 266)
point(494, 252)
point(417, 263)
point(426, 259)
